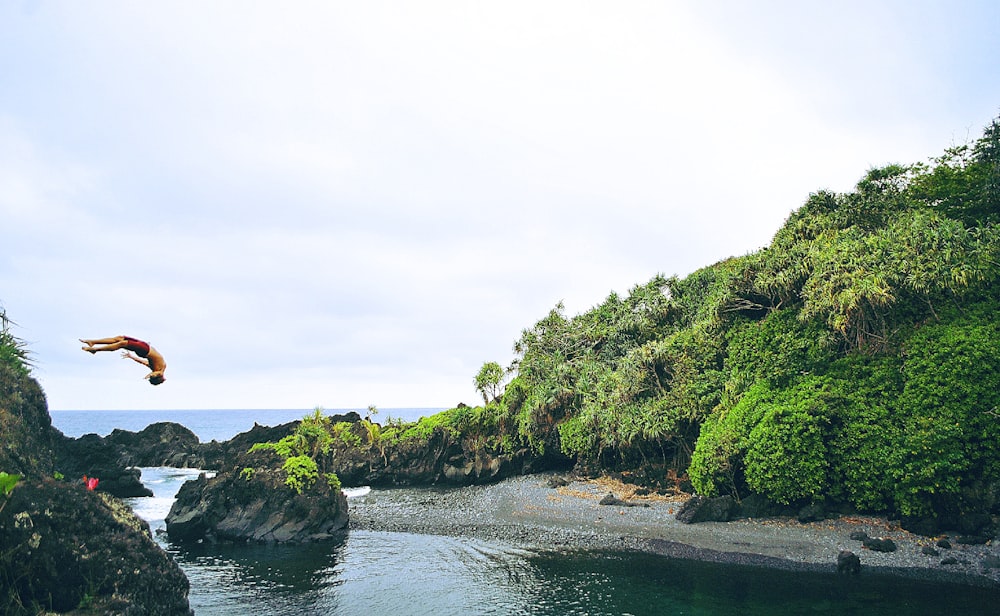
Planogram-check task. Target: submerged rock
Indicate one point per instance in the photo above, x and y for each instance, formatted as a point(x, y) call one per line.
point(258, 507)
point(848, 562)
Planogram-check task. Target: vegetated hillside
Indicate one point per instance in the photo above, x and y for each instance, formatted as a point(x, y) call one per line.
point(855, 359)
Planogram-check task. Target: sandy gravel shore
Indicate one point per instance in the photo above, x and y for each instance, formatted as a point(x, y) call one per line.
point(527, 512)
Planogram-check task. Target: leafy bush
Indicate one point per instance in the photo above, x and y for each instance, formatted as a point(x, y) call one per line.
point(950, 397)
point(301, 471)
point(786, 456)
point(344, 432)
point(865, 445)
point(716, 466)
point(780, 348)
point(303, 451)
point(13, 351)
point(717, 463)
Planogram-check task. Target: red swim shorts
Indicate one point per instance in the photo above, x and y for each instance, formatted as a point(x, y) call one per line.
point(137, 346)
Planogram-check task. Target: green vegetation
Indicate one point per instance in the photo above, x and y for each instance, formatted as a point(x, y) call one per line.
point(303, 451)
point(7, 482)
point(302, 472)
point(13, 350)
point(488, 381)
point(855, 358)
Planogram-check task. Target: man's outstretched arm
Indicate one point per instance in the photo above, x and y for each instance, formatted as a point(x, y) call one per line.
point(135, 358)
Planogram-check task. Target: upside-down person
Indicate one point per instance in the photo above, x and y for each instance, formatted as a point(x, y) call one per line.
point(136, 350)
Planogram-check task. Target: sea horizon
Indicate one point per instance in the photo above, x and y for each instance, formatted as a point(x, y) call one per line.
point(208, 424)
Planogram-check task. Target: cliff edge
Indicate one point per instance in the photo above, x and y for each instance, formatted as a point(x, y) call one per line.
point(65, 548)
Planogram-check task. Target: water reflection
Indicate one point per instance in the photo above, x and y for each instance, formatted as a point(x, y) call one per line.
point(264, 579)
point(395, 573)
point(641, 584)
point(362, 573)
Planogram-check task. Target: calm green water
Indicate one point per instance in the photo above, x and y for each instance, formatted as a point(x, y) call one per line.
point(387, 573)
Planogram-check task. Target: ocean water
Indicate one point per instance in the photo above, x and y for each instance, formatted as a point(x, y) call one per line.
point(209, 425)
point(400, 574)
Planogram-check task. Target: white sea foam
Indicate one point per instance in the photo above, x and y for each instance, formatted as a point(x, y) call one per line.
point(356, 492)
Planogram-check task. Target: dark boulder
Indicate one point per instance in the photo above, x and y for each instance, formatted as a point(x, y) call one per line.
point(158, 444)
point(758, 506)
point(256, 507)
point(611, 499)
point(976, 524)
point(926, 526)
point(94, 456)
point(702, 509)
point(859, 535)
point(848, 563)
point(973, 540)
point(813, 512)
point(877, 544)
point(74, 548)
point(557, 481)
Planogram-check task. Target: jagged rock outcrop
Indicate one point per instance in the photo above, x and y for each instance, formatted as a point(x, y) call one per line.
point(94, 456)
point(159, 444)
point(441, 458)
point(255, 507)
point(63, 547)
point(25, 425)
point(228, 454)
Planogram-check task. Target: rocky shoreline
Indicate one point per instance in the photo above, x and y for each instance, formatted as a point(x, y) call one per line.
point(528, 512)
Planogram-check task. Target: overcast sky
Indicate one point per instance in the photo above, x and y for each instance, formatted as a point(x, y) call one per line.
point(348, 203)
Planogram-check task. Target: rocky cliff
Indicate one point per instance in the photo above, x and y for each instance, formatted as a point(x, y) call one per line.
point(62, 546)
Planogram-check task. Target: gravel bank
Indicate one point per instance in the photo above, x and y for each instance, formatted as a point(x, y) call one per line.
point(526, 512)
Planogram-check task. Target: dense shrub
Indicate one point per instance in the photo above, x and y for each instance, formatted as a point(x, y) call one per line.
point(951, 431)
point(865, 442)
point(786, 456)
point(773, 440)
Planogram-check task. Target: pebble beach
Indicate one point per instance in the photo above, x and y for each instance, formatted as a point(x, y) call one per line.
point(528, 512)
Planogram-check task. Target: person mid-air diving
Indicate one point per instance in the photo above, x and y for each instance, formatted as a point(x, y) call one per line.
point(141, 352)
